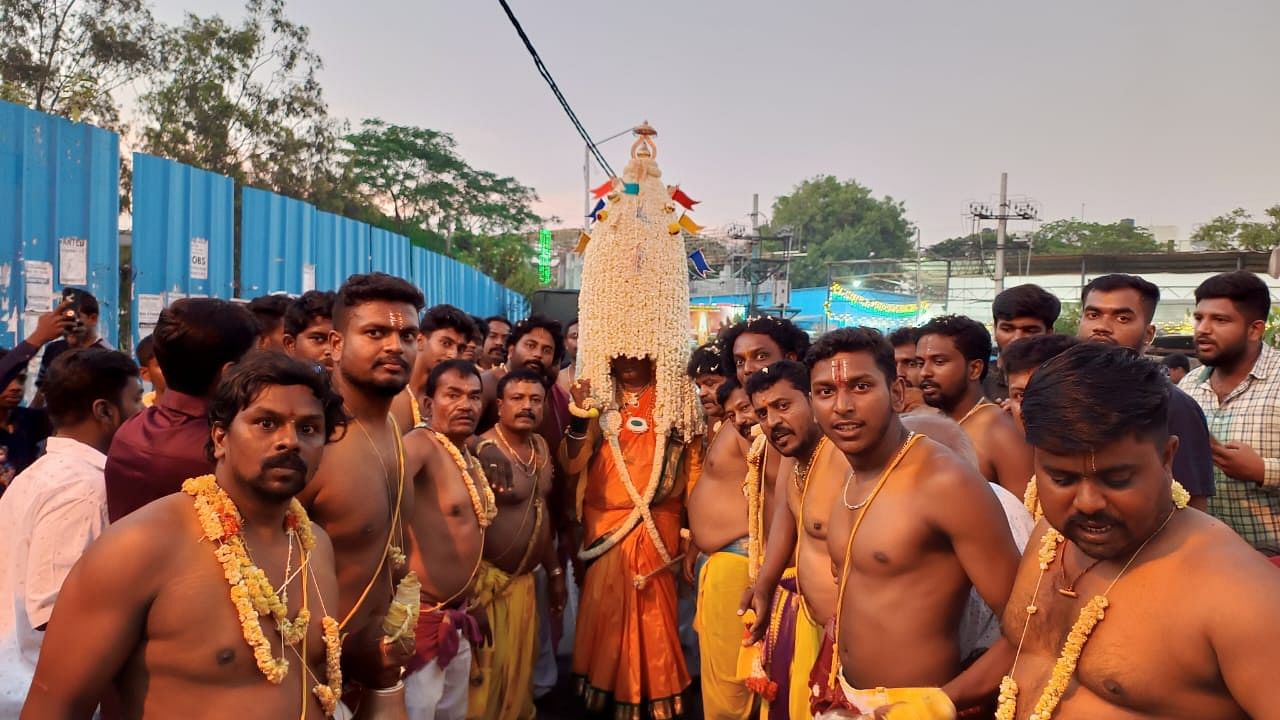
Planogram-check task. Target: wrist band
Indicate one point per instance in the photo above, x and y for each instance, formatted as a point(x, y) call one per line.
point(578, 425)
point(393, 690)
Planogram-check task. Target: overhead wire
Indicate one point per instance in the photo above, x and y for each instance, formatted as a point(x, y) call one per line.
point(546, 75)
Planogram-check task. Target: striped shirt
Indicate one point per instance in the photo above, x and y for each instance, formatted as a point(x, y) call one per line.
point(1250, 414)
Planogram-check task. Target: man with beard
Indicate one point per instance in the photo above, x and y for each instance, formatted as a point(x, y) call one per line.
point(168, 640)
point(58, 505)
point(1091, 611)
point(904, 356)
point(535, 343)
point(706, 370)
point(912, 529)
point(1239, 390)
point(794, 593)
point(445, 331)
point(955, 351)
point(518, 541)
point(307, 325)
point(1118, 309)
point(718, 520)
point(494, 350)
point(452, 507)
point(1021, 311)
point(361, 495)
point(568, 366)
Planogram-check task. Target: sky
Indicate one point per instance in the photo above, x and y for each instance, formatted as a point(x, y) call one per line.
point(1164, 111)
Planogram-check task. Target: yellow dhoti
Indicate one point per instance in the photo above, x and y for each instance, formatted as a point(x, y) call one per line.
point(721, 581)
point(502, 672)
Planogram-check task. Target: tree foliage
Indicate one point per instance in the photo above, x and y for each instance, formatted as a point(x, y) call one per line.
point(244, 101)
point(1237, 230)
point(836, 220)
point(1066, 237)
point(68, 57)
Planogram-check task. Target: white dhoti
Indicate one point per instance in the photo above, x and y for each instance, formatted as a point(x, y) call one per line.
point(440, 693)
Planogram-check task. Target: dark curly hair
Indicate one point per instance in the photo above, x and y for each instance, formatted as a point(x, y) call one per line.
point(855, 339)
point(312, 305)
point(705, 360)
point(244, 382)
point(790, 339)
point(970, 337)
point(373, 287)
point(533, 322)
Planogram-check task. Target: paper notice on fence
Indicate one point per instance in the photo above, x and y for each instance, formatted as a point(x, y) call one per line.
point(73, 261)
point(39, 280)
point(149, 307)
point(308, 278)
point(199, 259)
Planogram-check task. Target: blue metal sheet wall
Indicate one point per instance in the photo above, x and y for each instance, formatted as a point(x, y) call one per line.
point(389, 253)
point(445, 280)
point(277, 241)
point(174, 205)
point(342, 249)
point(58, 179)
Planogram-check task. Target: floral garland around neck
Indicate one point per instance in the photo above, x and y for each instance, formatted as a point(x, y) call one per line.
point(482, 500)
point(251, 591)
point(1091, 614)
point(752, 488)
point(1031, 497)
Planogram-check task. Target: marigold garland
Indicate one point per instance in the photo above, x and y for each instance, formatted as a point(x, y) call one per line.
point(482, 500)
point(1092, 613)
point(752, 487)
point(252, 593)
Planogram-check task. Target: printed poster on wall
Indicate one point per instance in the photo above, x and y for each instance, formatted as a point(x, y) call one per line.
point(149, 307)
point(73, 261)
point(199, 259)
point(308, 278)
point(39, 279)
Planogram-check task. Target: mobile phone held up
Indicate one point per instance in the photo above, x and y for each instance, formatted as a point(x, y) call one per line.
point(71, 297)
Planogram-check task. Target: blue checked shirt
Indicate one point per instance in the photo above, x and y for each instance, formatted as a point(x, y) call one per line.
point(1250, 414)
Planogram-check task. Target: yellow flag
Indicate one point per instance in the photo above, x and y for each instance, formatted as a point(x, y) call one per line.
point(583, 239)
point(688, 224)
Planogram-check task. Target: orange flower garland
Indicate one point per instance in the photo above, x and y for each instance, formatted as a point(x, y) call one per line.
point(251, 591)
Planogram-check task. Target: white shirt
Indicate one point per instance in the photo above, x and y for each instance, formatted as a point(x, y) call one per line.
point(980, 627)
point(48, 516)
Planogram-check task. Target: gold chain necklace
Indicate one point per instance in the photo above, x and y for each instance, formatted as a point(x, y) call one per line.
point(982, 402)
point(853, 474)
point(531, 467)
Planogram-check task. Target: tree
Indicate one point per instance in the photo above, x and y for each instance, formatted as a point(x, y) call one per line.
point(1237, 230)
point(68, 57)
point(980, 244)
point(505, 258)
point(244, 101)
point(1065, 237)
point(837, 220)
point(417, 177)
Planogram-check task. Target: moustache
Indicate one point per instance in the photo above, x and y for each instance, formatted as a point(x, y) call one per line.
point(1080, 519)
point(526, 414)
point(285, 461)
point(779, 433)
point(535, 365)
point(404, 364)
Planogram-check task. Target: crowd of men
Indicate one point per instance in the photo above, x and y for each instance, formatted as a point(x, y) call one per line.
point(348, 505)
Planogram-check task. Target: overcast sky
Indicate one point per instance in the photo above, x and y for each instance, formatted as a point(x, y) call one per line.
point(1166, 111)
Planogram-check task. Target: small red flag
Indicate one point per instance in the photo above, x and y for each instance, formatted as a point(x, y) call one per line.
point(683, 199)
point(603, 189)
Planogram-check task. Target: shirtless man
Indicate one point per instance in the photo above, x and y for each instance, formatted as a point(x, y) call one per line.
point(796, 573)
point(518, 541)
point(706, 370)
point(452, 507)
point(904, 355)
point(912, 528)
point(361, 494)
point(146, 611)
point(718, 520)
point(954, 350)
point(445, 330)
point(1098, 419)
point(494, 350)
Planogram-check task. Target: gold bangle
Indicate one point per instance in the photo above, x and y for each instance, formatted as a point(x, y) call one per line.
point(584, 414)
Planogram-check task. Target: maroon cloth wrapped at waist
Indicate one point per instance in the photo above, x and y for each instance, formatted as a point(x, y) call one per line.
point(439, 636)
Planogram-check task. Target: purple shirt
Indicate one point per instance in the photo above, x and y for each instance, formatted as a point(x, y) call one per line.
point(155, 451)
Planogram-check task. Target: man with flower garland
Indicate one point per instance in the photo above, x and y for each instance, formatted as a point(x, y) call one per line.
point(453, 506)
point(167, 640)
point(1114, 537)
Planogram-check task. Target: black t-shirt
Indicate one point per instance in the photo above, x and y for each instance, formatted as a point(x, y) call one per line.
point(22, 440)
point(1193, 463)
